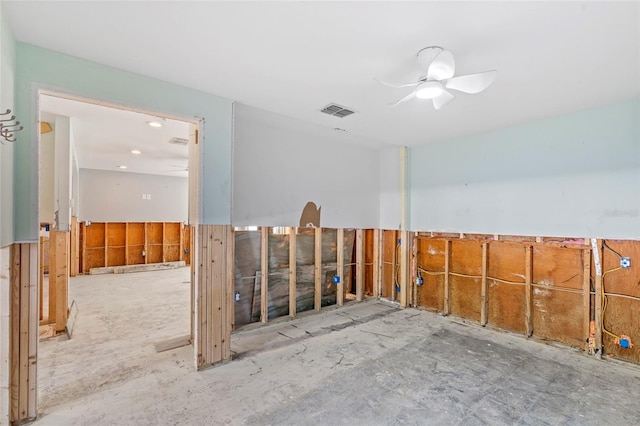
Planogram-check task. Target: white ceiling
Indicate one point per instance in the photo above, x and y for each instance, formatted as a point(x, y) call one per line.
point(294, 58)
point(104, 138)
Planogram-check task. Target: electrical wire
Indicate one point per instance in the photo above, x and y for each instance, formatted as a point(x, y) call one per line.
point(605, 301)
point(456, 274)
point(604, 244)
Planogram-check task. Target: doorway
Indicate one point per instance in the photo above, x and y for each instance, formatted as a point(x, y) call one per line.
point(115, 187)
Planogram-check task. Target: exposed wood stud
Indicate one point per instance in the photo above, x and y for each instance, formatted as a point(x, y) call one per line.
point(359, 265)
point(106, 244)
point(264, 278)
point(317, 295)
point(74, 246)
point(586, 289)
point(292, 271)
point(447, 261)
point(340, 271)
point(164, 242)
point(231, 282)
point(405, 280)
point(14, 356)
point(528, 302)
point(41, 280)
point(484, 313)
point(33, 330)
point(377, 261)
point(598, 296)
point(414, 269)
point(84, 267)
point(395, 277)
point(146, 243)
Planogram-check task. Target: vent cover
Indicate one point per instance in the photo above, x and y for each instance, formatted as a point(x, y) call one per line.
point(337, 110)
point(179, 141)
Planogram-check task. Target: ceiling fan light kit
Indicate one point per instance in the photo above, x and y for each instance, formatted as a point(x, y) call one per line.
point(429, 90)
point(439, 79)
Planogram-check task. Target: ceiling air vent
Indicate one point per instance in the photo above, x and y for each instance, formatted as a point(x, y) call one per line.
point(179, 141)
point(337, 110)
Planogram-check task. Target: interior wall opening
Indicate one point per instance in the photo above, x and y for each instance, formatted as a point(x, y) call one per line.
point(116, 210)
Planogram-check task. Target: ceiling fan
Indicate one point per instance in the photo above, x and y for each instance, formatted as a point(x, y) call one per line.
point(439, 67)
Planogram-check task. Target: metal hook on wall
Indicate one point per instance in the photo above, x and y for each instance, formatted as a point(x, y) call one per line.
point(7, 131)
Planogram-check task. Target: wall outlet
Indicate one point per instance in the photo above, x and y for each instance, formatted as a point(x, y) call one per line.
point(625, 262)
point(237, 296)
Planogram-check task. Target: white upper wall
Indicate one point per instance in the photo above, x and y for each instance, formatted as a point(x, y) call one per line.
point(107, 196)
point(7, 65)
point(280, 163)
point(575, 175)
point(390, 188)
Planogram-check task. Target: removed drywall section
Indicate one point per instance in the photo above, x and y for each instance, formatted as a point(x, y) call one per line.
point(39, 68)
point(281, 163)
point(107, 196)
point(573, 175)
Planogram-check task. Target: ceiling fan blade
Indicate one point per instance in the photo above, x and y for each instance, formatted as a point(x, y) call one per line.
point(442, 100)
point(442, 67)
point(397, 86)
point(406, 98)
point(472, 83)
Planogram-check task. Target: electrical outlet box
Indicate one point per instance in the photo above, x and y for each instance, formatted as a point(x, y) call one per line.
point(237, 296)
point(625, 262)
point(336, 279)
point(419, 281)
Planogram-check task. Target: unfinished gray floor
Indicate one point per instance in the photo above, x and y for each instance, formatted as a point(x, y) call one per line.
point(365, 364)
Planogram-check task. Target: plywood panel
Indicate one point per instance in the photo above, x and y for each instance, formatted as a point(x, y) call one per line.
point(116, 234)
point(622, 314)
point(116, 255)
point(389, 268)
point(154, 253)
point(506, 306)
point(172, 233)
point(135, 234)
point(154, 233)
point(431, 260)
point(506, 302)
point(94, 235)
point(94, 258)
point(557, 316)
point(465, 292)
point(134, 255)
point(368, 260)
point(247, 283)
point(278, 296)
point(171, 253)
point(556, 266)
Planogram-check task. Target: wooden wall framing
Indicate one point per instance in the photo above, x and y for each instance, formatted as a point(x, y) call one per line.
point(214, 294)
point(132, 243)
point(546, 288)
point(23, 337)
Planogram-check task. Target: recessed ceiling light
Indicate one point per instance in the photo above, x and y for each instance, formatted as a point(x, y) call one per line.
point(122, 167)
point(154, 123)
point(136, 151)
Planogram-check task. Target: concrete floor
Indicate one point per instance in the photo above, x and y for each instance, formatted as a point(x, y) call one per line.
point(365, 364)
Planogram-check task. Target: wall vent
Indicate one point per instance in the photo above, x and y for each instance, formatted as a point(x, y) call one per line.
point(337, 110)
point(179, 141)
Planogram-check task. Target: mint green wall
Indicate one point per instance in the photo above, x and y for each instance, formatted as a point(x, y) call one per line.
point(7, 65)
point(38, 68)
point(572, 175)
